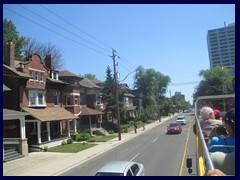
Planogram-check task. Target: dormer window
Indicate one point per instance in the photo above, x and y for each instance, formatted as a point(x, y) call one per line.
point(54, 75)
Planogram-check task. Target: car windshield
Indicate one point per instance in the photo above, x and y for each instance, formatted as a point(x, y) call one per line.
point(108, 174)
point(174, 125)
point(180, 118)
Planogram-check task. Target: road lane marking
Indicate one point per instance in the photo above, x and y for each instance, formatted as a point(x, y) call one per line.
point(185, 151)
point(154, 140)
point(135, 157)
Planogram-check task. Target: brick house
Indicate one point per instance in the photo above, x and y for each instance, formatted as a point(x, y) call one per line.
point(83, 92)
point(37, 90)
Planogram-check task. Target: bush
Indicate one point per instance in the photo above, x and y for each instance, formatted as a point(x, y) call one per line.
point(98, 133)
point(45, 148)
point(69, 141)
point(83, 136)
point(64, 143)
point(74, 136)
point(111, 131)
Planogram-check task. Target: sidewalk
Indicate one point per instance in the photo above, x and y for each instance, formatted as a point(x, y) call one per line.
point(53, 164)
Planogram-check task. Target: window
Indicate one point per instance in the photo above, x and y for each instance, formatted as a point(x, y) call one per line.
point(56, 100)
point(135, 169)
point(31, 73)
point(32, 98)
point(41, 76)
point(36, 98)
point(40, 99)
point(129, 173)
point(82, 100)
point(54, 75)
point(68, 100)
point(126, 101)
point(75, 100)
point(36, 75)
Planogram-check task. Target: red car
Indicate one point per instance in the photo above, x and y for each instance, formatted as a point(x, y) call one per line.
point(174, 128)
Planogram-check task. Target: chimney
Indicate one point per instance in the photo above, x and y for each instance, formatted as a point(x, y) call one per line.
point(48, 61)
point(9, 55)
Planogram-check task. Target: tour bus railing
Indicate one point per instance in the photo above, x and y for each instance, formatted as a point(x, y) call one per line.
point(203, 157)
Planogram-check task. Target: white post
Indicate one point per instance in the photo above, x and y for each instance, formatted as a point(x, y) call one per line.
point(75, 125)
point(68, 127)
point(23, 130)
point(48, 131)
point(39, 132)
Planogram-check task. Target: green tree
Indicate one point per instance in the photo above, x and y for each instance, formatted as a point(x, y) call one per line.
point(213, 81)
point(10, 34)
point(90, 76)
point(153, 86)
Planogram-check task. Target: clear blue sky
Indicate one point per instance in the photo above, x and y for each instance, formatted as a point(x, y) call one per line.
point(168, 38)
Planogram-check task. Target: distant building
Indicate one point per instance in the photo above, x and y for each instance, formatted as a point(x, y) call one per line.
point(221, 47)
point(178, 96)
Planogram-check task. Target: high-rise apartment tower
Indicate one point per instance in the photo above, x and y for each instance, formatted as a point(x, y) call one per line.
point(221, 47)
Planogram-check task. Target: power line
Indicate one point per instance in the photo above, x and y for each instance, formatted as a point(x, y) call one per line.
point(62, 28)
point(55, 32)
point(184, 83)
point(75, 27)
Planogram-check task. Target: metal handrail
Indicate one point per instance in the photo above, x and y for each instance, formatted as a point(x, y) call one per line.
point(204, 160)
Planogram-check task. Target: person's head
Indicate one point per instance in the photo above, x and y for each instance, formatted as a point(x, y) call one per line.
point(207, 113)
point(229, 119)
point(217, 113)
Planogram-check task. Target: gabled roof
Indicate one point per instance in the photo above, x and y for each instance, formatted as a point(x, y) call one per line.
point(128, 95)
point(51, 114)
point(97, 82)
point(131, 108)
point(88, 83)
point(85, 111)
point(13, 70)
point(68, 74)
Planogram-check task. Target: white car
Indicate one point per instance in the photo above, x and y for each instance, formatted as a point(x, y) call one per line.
point(121, 168)
point(181, 120)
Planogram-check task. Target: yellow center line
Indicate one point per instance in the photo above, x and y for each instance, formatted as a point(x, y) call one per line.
point(185, 151)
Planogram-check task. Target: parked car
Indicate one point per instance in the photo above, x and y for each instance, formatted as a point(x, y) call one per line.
point(174, 128)
point(121, 168)
point(182, 120)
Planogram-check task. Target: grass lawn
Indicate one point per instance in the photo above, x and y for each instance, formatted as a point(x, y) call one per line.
point(102, 138)
point(71, 148)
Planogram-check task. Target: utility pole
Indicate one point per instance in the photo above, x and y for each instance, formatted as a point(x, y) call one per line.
point(116, 90)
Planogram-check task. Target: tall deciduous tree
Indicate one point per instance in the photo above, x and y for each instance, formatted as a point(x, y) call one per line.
point(213, 81)
point(44, 49)
point(25, 46)
point(152, 84)
point(10, 34)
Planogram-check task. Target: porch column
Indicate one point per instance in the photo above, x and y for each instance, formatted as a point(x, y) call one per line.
point(68, 128)
point(22, 128)
point(75, 125)
point(39, 132)
point(90, 125)
point(61, 127)
point(48, 131)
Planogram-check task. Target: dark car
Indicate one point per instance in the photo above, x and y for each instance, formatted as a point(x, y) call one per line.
point(174, 128)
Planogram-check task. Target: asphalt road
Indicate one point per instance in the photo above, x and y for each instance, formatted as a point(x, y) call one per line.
point(161, 154)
